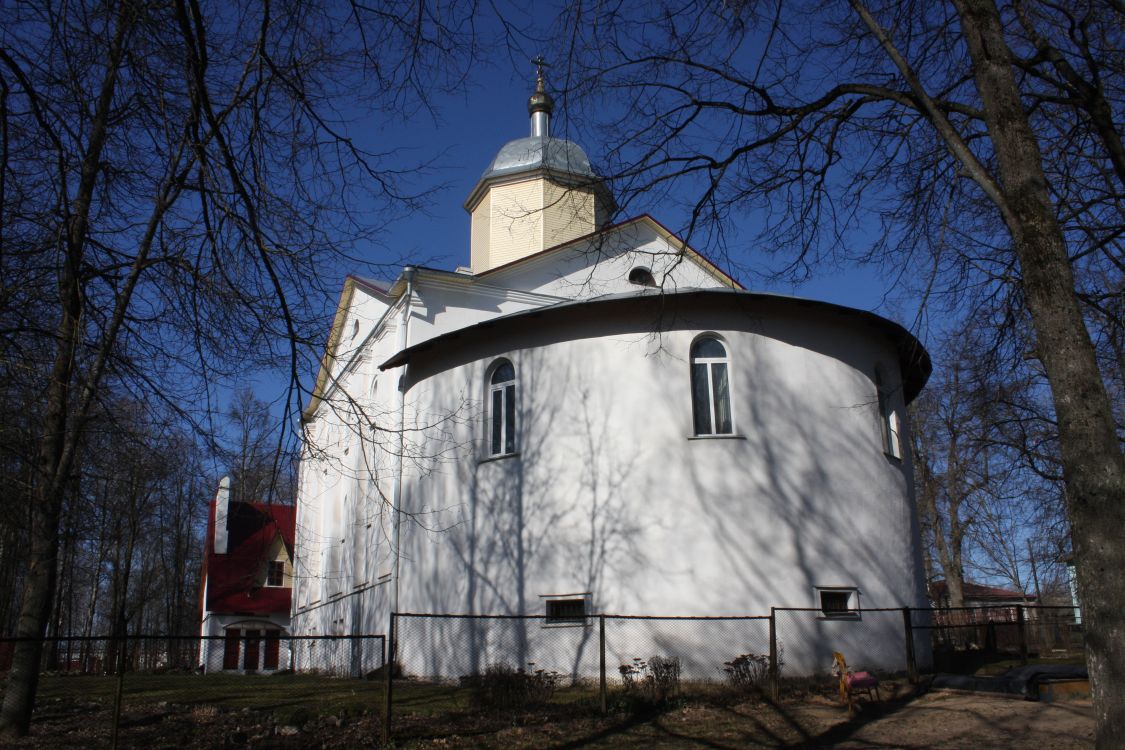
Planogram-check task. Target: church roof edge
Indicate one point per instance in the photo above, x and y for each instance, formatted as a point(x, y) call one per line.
point(914, 360)
point(664, 231)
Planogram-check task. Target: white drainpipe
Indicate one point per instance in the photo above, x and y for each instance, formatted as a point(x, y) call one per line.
point(396, 501)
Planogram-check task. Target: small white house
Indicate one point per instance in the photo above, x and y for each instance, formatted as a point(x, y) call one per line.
point(246, 585)
point(594, 418)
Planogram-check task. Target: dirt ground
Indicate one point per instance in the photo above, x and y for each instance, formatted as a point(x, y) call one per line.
point(933, 721)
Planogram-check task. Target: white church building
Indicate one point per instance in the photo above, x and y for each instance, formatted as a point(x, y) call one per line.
point(594, 418)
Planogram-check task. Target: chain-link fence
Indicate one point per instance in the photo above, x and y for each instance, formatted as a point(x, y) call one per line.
point(449, 649)
point(140, 690)
point(871, 640)
point(489, 662)
point(963, 636)
point(255, 683)
point(512, 662)
point(446, 648)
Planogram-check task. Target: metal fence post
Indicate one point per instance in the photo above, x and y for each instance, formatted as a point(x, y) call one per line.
point(118, 690)
point(1023, 634)
point(601, 660)
point(775, 686)
point(389, 668)
point(911, 662)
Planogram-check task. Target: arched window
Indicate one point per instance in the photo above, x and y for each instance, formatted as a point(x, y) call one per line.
point(710, 387)
point(888, 418)
point(641, 277)
point(502, 409)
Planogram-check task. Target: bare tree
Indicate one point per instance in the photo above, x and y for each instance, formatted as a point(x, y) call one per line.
point(978, 143)
point(175, 180)
point(987, 483)
point(255, 454)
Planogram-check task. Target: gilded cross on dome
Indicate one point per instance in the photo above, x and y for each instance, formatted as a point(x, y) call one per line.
point(539, 62)
point(540, 105)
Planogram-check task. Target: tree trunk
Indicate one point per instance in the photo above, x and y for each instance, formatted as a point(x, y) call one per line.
point(1093, 466)
point(59, 443)
point(43, 539)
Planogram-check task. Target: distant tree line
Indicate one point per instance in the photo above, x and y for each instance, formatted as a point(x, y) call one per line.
point(179, 190)
point(134, 513)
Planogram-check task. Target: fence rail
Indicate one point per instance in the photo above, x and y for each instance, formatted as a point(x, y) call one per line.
point(120, 691)
point(141, 690)
point(518, 659)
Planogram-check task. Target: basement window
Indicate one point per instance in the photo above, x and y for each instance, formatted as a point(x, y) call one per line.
point(566, 609)
point(838, 602)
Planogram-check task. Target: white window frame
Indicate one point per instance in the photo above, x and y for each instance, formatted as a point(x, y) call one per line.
point(269, 566)
point(853, 611)
point(710, 362)
point(569, 621)
point(888, 419)
point(505, 418)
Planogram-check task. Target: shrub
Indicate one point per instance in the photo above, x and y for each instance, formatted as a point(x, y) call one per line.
point(654, 681)
point(751, 671)
point(748, 671)
point(506, 687)
point(633, 674)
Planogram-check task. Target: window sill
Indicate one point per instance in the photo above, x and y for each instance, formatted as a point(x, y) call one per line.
point(732, 436)
point(584, 623)
point(498, 457)
point(849, 617)
point(893, 457)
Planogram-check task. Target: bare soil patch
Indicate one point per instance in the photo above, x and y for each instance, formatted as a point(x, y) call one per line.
point(933, 721)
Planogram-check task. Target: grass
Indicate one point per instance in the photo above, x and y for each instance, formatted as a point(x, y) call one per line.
point(265, 692)
point(303, 695)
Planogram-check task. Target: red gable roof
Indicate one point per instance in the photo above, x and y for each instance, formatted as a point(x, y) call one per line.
point(234, 582)
point(978, 592)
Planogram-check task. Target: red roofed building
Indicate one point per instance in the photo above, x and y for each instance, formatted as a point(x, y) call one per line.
point(978, 595)
point(247, 584)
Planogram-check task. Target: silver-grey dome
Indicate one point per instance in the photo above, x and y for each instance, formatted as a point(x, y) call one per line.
point(528, 154)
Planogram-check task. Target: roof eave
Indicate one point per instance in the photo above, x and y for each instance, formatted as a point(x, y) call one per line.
point(913, 359)
point(671, 238)
point(569, 179)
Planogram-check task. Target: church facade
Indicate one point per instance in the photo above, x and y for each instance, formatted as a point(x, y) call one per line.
point(594, 418)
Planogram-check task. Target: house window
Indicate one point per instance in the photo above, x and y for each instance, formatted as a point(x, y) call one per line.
point(502, 410)
point(838, 602)
point(641, 277)
point(710, 387)
point(275, 573)
point(888, 419)
point(569, 609)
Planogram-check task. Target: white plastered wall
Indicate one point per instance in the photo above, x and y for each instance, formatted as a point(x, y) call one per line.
point(803, 497)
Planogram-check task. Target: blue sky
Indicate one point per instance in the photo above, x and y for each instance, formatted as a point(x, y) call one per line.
point(471, 128)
